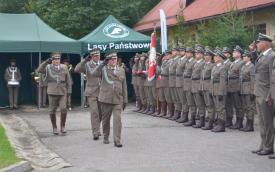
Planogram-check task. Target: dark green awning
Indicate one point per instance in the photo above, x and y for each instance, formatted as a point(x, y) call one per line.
point(112, 34)
point(28, 33)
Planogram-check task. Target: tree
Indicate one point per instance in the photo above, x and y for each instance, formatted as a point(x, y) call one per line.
point(229, 30)
point(12, 6)
point(77, 18)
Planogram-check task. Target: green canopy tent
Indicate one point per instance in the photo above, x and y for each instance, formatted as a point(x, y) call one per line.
point(112, 34)
point(27, 33)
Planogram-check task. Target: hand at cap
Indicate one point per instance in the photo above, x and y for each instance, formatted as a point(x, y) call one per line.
point(105, 61)
point(252, 46)
point(87, 58)
point(49, 60)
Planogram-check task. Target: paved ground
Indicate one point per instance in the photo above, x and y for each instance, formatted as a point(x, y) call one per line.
point(150, 145)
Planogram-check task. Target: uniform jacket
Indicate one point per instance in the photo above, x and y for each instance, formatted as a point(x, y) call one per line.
point(218, 80)
point(158, 77)
point(187, 74)
point(59, 80)
point(205, 81)
point(234, 76)
point(141, 73)
point(92, 81)
point(179, 71)
point(42, 80)
point(196, 76)
point(164, 82)
point(247, 78)
point(113, 88)
point(134, 74)
point(8, 75)
point(263, 71)
point(172, 71)
point(227, 63)
point(146, 82)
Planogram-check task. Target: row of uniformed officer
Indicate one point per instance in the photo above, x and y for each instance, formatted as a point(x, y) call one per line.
point(190, 84)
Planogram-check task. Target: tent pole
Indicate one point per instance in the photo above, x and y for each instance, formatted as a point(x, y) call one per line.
point(82, 88)
point(39, 89)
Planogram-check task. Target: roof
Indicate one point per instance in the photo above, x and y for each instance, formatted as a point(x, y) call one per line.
point(202, 9)
point(28, 33)
point(112, 34)
point(198, 10)
point(171, 9)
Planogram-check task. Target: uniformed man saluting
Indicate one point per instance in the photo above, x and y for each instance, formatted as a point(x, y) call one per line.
point(112, 95)
point(86, 66)
point(263, 93)
point(59, 85)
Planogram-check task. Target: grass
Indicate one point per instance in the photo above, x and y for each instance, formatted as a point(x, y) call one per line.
point(7, 153)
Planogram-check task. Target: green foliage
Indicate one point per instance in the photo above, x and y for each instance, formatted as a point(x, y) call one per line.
point(229, 30)
point(7, 153)
point(76, 18)
point(12, 6)
point(184, 33)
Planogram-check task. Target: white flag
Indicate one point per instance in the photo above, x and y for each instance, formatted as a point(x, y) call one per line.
point(163, 31)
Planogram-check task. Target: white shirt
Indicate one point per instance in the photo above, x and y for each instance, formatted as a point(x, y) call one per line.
point(236, 61)
point(190, 59)
point(248, 63)
point(199, 61)
point(266, 51)
point(226, 61)
point(57, 67)
point(96, 63)
point(219, 64)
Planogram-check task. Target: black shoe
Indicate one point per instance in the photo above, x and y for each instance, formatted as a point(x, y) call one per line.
point(96, 137)
point(256, 151)
point(55, 131)
point(265, 152)
point(271, 157)
point(106, 141)
point(118, 145)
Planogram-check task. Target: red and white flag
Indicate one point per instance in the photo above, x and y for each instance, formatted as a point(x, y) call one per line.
point(152, 58)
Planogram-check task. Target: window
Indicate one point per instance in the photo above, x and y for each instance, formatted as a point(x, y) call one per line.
point(256, 29)
point(261, 28)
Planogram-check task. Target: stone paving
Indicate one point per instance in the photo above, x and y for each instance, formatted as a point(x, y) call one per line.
point(150, 144)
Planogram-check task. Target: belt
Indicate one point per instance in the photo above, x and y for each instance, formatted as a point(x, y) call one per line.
point(187, 76)
point(246, 80)
point(62, 82)
point(233, 78)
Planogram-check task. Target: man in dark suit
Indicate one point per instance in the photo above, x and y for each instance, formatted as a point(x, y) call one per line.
point(263, 70)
